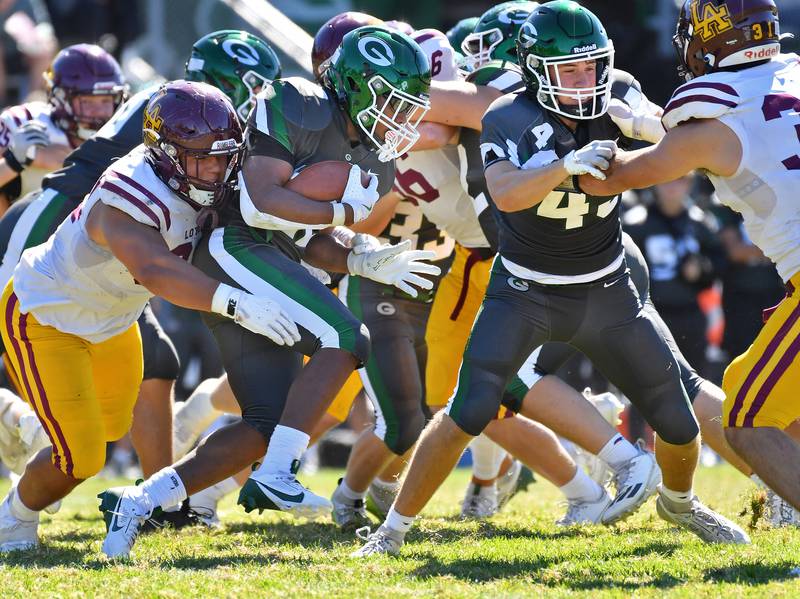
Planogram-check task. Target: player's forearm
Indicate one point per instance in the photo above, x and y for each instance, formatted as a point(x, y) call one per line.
point(517, 189)
point(277, 203)
point(178, 282)
point(630, 170)
point(434, 136)
point(51, 157)
point(459, 103)
point(327, 252)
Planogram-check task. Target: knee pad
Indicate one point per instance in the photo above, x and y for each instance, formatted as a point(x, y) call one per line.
point(350, 335)
point(478, 406)
point(260, 420)
point(670, 417)
point(89, 462)
point(160, 358)
point(407, 432)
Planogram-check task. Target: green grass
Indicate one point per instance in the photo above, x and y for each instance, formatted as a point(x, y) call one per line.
point(517, 553)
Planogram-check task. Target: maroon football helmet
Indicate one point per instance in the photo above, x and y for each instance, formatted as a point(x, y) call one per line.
point(83, 70)
point(330, 36)
point(186, 119)
point(713, 35)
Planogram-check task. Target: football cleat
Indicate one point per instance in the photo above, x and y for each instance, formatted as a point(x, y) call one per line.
point(125, 511)
point(184, 517)
point(380, 499)
point(384, 541)
point(610, 408)
point(517, 478)
point(780, 512)
point(480, 501)
point(16, 534)
point(710, 526)
point(282, 492)
point(635, 482)
point(585, 512)
point(348, 514)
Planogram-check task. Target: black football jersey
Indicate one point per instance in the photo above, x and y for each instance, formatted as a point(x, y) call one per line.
point(568, 233)
point(83, 167)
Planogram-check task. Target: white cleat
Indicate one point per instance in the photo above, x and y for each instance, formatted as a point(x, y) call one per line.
point(16, 534)
point(384, 541)
point(781, 513)
point(635, 483)
point(480, 501)
point(349, 514)
point(710, 526)
point(380, 498)
point(282, 492)
point(585, 512)
point(508, 484)
point(125, 510)
point(21, 442)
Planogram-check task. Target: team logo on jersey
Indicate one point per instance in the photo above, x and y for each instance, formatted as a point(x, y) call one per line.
point(518, 284)
point(376, 51)
point(241, 52)
point(385, 309)
point(713, 21)
point(513, 15)
point(528, 35)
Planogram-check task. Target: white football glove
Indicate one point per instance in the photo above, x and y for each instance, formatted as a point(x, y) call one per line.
point(641, 120)
point(362, 243)
point(361, 199)
point(26, 140)
point(395, 265)
point(257, 314)
point(592, 159)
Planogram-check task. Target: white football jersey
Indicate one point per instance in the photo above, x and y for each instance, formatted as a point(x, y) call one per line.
point(14, 117)
point(431, 178)
point(78, 287)
point(762, 106)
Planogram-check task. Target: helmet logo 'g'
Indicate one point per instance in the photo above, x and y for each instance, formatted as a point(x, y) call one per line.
point(528, 35)
point(513, 15)
point(241, 51)
point(376, 51)
point(151, 119)
point(713, 21)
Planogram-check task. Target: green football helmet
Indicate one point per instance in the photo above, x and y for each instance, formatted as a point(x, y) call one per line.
point(559, 33)
point(458, 32)
point(381, 77)
point(236, 62)
point(495, 34)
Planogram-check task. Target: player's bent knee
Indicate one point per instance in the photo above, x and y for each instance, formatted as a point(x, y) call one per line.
point(674, 422)
point(166, 364)
point(89, 463)
point(408, 433)
point(261, 422)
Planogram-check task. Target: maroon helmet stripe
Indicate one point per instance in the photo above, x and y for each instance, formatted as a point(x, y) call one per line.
point(133, 200)
point(698, 98)
point(724, 88)
point(149, 194)
point(772, 347)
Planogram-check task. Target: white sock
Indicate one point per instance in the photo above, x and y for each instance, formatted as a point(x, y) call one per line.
point(485, 454)
point(285, 448)
point(676, 496)
point(19, 510)
point(194, 415)
point(164, 489)
point(617, 451)
point(397, 522)
point(386, 485)
point(349, 493)
point(581, 487)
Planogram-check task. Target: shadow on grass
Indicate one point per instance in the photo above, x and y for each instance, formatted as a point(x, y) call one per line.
point(752, 573)
point(447, 531)
point(308, 534)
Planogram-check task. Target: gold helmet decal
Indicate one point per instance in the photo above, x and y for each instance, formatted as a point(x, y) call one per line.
point(713, 20)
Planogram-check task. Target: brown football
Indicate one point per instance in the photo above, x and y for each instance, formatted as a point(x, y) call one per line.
point(324, 181)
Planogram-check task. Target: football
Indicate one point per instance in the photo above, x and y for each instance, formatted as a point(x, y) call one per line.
point(324, 181)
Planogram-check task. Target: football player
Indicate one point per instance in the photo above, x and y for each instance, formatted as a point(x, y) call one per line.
point(72, 306)
point(238, 63)
point(533, 143)
point(364, 116)
point(734, 118)
point(85, 86)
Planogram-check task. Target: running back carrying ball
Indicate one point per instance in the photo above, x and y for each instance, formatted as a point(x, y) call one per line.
point(324, 181)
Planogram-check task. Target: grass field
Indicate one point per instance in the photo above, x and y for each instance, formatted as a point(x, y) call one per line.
point(518, 552)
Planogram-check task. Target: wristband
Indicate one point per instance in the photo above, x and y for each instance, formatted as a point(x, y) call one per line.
point(225, 300)
point(12, 161)
point(339, 214)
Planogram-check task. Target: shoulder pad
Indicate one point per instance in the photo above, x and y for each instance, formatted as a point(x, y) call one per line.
point(299, 101)
point(701, 98)
point(501, 75)
point(635, 216)
point(440, 54)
